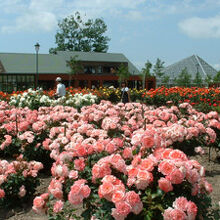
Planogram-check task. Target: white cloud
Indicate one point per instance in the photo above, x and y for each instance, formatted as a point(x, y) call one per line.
point(42, 15)
point(34, 15)
point(197, 27)
point(134, 15)
point(40, 21)
point(20, 14)
point(108, 4)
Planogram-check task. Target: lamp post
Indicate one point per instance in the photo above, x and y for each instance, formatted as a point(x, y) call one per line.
point(37, 47)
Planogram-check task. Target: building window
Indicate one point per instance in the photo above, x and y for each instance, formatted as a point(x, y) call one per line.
point(89, 69)
point(95, 84)
point(14, 82)
point(99, 69)
point(110, 83)
point(83, 83)
point(109, 69)
point(106, 69)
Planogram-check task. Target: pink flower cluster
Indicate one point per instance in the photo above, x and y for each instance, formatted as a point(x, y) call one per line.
point(26, 168)
point(103, 166)
point(7, 142)
point(78, 192)
point(177, 168)
point(39, 203)
point(135, 138)
point(21, 168)
point(139, 172)
point(113, 190)
point(182, 210)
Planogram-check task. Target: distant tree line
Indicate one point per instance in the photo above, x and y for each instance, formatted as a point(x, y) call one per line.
point(183, 79)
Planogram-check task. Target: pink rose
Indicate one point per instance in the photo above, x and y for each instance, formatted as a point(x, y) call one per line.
point(118, 196)
point(22, 191)
point(2, 193)
point(79, 164)
point(38, 202)
point(58, 206)
point(166, 167)
point(123, 208)
point(165, 184)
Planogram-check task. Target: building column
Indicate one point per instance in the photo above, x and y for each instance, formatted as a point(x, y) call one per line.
point(89, 84)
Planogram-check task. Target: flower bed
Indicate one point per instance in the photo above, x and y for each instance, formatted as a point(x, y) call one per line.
point(18, 181)
point(35, 99)
point(203, 99)
point(117, 160)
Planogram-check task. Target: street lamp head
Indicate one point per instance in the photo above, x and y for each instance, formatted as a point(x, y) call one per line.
point(37, 47)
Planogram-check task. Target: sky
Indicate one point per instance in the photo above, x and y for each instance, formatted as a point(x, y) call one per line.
point(140, 29)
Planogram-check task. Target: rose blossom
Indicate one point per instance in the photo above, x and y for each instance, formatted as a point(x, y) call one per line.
point(22, 191)
point(2, 193)
point(165, 184)
point(58, 206)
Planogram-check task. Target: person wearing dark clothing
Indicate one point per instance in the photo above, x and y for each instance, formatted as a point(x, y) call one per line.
point(125, 93)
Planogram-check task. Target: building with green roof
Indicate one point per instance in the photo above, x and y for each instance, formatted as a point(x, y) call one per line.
point(18, 70)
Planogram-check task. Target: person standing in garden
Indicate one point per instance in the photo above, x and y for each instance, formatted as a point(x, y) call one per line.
point(61, 89)
point(125, 93)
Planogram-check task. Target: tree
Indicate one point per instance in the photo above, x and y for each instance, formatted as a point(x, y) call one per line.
point(122, 73)
point(75, 67)
point(146, 72)
point(216, 78)
point(165, 79)
point(184, 78)
point(158, 68)
point(74, 34)
point(198, 79)
point(208, 79)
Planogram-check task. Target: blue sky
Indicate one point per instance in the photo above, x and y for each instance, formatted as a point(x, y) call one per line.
point(141, 29)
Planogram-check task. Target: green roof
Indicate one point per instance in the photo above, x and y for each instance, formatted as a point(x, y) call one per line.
point(26, 63)
point(56, 63)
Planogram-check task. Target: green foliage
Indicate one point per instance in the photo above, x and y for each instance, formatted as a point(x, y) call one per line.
point(165, 79)
point(146, 71)
point(75, 34)
point(158, 68)
point(208, 79)
point(216, 78)
point(184, 78)
point(12, 186)
point(198, 80)
point(75, 67)
point(13, 149)
point(123, 73)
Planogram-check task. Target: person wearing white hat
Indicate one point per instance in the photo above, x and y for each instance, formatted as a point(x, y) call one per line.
point(61, 89)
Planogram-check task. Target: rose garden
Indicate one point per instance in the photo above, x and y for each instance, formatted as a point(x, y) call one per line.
point(109, 160)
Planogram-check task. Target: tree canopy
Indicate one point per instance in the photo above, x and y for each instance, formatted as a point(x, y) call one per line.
point(184, 78)
point(75, 34)
point(216, 78)
point(75, 67)
point(198, 81)
point(146, 72)
point(158, 68)
point(122, 73)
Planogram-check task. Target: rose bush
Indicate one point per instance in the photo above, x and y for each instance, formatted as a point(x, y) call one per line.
point(203, 99)
point(18, 181)
point(33, 99)
point(116, 160)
